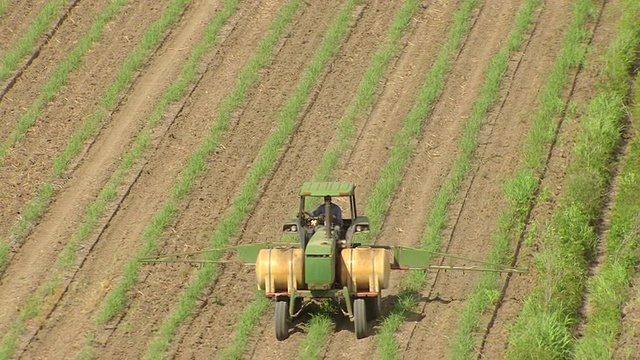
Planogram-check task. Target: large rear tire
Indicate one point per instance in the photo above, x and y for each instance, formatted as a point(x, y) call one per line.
point(360, 318)
point(282, 320)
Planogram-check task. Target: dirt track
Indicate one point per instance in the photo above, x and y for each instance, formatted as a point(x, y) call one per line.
point(120, 232)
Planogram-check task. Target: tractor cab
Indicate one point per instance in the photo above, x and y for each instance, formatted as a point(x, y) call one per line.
point(314, 228)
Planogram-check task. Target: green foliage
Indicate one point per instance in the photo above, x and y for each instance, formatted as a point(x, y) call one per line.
point(608, 290)
point(60, 76)
point(546, 323)
point(244, 328)
point(96, 209)
point(3, 6)
point(36, 207)
point(366, 93)
point(391, 176)
point(437, 220)
point(392, 173)
point(546, 336)
point(288, 117)
point(314, 344)
point(44, 21)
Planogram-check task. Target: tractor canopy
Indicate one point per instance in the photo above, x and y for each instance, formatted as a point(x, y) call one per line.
point(333, 189)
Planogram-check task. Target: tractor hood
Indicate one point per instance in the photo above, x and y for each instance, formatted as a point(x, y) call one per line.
point(319, 245)
point(320, 262)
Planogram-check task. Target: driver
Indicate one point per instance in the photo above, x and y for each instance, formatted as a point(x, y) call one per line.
point(336, 212)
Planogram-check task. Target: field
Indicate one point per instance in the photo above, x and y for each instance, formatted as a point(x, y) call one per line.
point(500, 130)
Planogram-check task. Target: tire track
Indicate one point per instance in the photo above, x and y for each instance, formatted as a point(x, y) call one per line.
point(492, 26)
point(427, 37)
point(29, 266)
point(15, 21)
point(161, 135)
point(29, 165)
point(152, 306)
point(514, 289)
point(204, 336)
point(155, 179)
point(485, 169)
point(47, 37)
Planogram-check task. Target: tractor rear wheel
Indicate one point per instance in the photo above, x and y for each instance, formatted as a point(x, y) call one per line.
point(360, 318)
point(374, 307)
point(282, 320)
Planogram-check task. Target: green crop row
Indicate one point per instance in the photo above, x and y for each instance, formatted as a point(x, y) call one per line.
point(314, 345)
point(37, 305)
point(3, 6)
point(404, 144)
point(366, 92)
point(610, 289)
point(321, 324)
point(438, 218)
point(596, 147)
point(37, 206)
point(243, 203)
point(59, 77)
point(545, 326)
point(11, 60)
point(248, 77)
point(117, 300)
point(463, 344)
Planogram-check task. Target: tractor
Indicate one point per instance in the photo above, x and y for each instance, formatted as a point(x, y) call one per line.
point(329, 261)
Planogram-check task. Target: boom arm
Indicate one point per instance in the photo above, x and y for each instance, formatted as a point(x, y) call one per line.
point(417, 259)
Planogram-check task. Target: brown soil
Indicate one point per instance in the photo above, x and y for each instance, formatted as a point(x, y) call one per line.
point(29, 164)
point(15, 22)
point(210, 199)
point(327, 106)
point(474, 216)
point(519, 286)
point(629, 342)
point(119, 236)
point(426, 37)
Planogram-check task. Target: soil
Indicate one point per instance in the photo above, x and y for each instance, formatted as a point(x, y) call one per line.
point(28, 165)
point(15, 22)
point(71, 313)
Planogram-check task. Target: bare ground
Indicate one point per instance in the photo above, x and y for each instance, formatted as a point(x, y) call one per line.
point(28, 165)
point(425, 335)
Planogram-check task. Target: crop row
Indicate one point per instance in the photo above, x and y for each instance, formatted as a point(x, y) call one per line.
point(13, 58)
point(36, 207)
point(521, 191)
point(321, 324)
point(463, 345)
point(41, 302)
point(546, 326)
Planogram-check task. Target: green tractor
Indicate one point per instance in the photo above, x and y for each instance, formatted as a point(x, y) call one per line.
point(328, 261)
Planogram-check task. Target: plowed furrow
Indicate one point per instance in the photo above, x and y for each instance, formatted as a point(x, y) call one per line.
point(474, 217)
point(234, 288)
point(83, 254)
point(121, 237)
point(34, 260)
point(588, 81)
point(403, 85)
point(30, 164)
point(22, 19)
point(211, 198)
point(15, 21)
point(514, 288)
